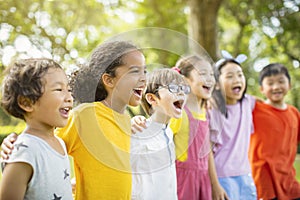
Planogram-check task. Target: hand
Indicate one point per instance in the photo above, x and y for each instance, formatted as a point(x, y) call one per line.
point(219, 193)
point(7, 145)
point(73, 183)
point(138, 123)
point(210, 104)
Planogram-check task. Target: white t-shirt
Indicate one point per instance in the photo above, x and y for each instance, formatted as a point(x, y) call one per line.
point(51, 170)
point(153, 163)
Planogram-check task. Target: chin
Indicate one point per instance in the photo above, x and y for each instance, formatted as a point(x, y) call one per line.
point(134, 104)
point(62, 123)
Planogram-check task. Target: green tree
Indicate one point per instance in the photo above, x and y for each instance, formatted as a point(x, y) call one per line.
point(266, 31)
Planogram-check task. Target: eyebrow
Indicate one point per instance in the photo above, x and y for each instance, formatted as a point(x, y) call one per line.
point(136, 66)
point(60, 83)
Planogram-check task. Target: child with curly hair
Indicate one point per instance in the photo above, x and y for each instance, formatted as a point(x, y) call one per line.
point(37, 91)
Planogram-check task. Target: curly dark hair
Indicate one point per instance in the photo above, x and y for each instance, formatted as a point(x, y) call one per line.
point(23, 78)
point(87, 82)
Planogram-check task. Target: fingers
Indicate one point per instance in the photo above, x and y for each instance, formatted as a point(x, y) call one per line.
point(138, 124)
point(136, 128)
point(7, 145)
point(73, 183)
point(226, 197)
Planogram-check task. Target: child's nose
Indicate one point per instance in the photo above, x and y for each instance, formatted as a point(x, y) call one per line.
point(181, 92)
point(275, 85)
point(69, 97)
point(143, 78)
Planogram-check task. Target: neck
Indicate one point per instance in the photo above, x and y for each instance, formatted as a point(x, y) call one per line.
point(160, 118)
point(194, 103)
point(114, 105)
point(41, 132)
point(279, 105)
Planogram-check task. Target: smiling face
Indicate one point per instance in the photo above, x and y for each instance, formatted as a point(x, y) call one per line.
point(167, 104)
point(275, 87)
point(202, 80)
point(129, 81)
point(52, 108)
point(232, 82)
point(165, 95)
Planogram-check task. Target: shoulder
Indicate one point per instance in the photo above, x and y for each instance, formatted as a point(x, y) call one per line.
point(249, 98)
point(175, 124)
point(26, 141)
point(26, 149)
point(84, 107)
point(293, 109)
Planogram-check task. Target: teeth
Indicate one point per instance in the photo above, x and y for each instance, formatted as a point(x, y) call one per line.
point(67, 109)
point(138, 89)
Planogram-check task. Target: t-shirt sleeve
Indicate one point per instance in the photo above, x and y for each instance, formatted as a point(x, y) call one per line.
point(252, 101)
point(24, 151)
point(175, 125)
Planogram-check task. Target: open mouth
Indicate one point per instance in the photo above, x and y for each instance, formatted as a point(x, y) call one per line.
point(178, 104)
point(138, 91)
point(65, 111)
point(206, 87)
point(237, 89)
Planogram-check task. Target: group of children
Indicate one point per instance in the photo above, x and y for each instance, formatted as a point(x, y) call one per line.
point(194, 145)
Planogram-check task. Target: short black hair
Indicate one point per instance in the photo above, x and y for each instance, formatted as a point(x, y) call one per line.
point(273, 69)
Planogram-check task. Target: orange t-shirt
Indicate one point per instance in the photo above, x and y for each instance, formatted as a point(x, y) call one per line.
point(273, 149)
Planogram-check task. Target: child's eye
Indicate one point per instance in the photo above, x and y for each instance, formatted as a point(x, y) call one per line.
point(58, 89)
point(282, 81)
point(135, 71)
point(202, 73)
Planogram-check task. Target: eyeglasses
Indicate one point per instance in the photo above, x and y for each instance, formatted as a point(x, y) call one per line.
point(173, 88)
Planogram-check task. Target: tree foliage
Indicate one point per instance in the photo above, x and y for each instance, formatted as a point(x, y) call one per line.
point(68, 30)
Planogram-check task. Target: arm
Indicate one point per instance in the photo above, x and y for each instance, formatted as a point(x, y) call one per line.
point(14, 181)
point(7, 145)
point(218, 192)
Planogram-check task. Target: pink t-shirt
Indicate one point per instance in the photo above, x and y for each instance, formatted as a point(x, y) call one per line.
point(231, 137)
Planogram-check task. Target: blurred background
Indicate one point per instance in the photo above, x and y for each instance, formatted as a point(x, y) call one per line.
point(68, 30)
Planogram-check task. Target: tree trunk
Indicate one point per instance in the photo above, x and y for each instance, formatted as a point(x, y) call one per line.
point(202, 25)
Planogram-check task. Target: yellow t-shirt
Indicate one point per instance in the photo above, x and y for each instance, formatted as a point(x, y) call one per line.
point(98, 139)
point(181, 129)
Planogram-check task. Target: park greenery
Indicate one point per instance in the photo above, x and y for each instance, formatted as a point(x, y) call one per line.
point(68, 31)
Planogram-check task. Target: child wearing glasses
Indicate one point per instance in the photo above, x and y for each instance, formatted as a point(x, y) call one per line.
point(152, 150)
point(196, 175)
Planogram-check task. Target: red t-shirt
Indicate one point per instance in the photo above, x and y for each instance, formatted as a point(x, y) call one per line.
point(273, 149)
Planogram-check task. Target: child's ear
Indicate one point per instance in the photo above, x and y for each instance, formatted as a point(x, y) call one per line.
point(151, 98)
point(261, 89)
point(25, 104)
point(107, 80)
